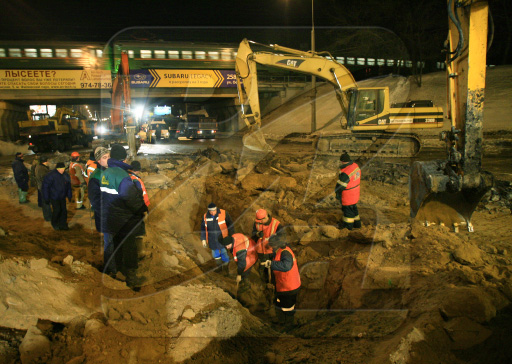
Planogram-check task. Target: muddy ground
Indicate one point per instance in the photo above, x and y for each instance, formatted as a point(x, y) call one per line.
point(394, 291)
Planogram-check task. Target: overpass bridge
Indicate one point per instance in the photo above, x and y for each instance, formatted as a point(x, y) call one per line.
point(80, 74)
point(72, 73)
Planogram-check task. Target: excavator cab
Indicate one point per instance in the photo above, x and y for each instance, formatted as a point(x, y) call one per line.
point(364, 104)
point(448, 191)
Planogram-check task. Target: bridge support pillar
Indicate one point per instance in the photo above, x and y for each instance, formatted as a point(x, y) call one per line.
point(10, 114)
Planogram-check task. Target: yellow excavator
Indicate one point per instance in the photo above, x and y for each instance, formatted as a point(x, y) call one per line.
point(59, 132)
point(448, 191)
point(369, 123)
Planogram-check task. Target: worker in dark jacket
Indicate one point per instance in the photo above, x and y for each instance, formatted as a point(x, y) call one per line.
point(217, 223)
point(122, 214)
point(21, 177)
point(101, 155)
point(287, 279)
point(56, 187)
point(136, 167)
point(347, 192)
point(40, 172)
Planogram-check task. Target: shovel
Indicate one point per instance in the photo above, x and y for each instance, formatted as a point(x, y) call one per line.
point(270, 286)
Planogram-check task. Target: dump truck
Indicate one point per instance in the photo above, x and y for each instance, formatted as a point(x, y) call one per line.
point(198, 125)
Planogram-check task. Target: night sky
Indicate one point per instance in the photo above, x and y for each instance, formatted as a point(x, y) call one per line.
point(288, 22)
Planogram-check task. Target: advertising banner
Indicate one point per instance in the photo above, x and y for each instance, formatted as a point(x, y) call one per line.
point(54, 79)
point(174, 78)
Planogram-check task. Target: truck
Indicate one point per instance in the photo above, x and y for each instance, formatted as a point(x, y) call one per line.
point(157, 130)
point(369, 124)
point(60, 132)
point(198, 125)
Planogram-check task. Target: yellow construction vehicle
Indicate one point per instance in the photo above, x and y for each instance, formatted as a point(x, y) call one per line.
point(369, 124)
point(59, 132)
point(448, 191)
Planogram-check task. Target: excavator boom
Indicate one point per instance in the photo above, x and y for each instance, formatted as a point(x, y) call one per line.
point(121, 98)
point(362, 109)
point(298, 61)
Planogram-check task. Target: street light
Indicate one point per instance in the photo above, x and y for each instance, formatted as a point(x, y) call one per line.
point(313, 78)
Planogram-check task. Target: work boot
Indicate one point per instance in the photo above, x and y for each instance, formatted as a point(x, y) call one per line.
point(357, 224)
point(218, 269)
point(280, 317)
point(141, 253)
point(225, 269)
point(343, 225)
point(133, 280)
point(289, 321)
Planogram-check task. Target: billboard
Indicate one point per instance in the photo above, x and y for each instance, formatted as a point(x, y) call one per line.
point(44, 109)
point(162, 110)
point(54, 79)
point(178, 78)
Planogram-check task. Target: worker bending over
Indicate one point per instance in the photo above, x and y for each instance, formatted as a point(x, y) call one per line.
point(283, 264)
point(244, 253)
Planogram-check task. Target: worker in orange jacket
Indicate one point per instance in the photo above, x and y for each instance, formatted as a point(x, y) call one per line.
point(91, 166)
point(78, 182)
point(244, 253)
point(284, 266)
point(347, 192)
point(264, 227)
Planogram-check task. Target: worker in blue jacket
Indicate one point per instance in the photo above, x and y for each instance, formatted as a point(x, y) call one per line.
point(56, 188)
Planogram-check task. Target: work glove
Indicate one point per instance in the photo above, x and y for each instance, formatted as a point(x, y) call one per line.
point(259, 234)
point(238, 278)
point(266, 263)
point(204, 243)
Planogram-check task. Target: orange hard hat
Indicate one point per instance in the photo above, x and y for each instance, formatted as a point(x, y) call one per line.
point(261, 214)
point(75, 154)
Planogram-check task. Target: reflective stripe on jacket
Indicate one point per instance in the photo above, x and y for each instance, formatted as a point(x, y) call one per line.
point(134, 177)
point(221, 220)
point(242, 242)
point(350, 194)
point(91, 167)
point(75, 181)
point(262, 246)
point(290, 280)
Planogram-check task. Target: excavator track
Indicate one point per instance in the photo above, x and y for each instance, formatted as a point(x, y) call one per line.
point(369, 144)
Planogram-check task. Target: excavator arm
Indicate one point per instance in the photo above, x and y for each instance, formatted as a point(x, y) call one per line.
point(121, 105)
point(285, 58)
point(448, 191)
point(121, 97)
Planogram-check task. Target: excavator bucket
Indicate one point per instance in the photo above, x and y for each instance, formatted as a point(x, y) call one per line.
point(255, 140)
point(437, 196)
